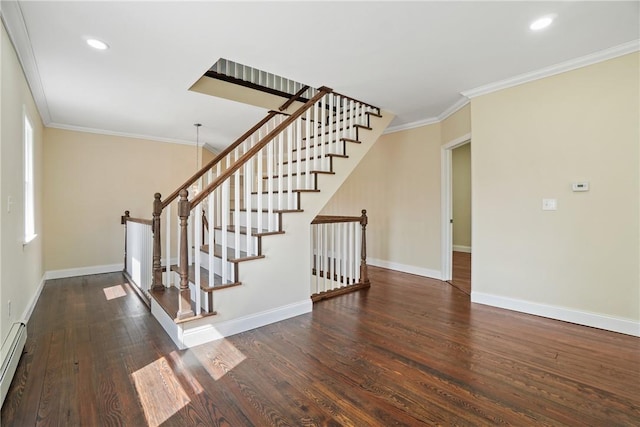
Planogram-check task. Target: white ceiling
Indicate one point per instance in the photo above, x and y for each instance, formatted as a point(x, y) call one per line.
point(412, 58)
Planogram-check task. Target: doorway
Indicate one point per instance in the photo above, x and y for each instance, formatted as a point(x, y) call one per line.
point(456, 213)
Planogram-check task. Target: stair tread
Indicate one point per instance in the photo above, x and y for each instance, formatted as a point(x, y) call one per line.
point(304, 159)
point(301, 173)
point(276, 211)
point(254, 231)
point(204, 279)
point(168, 300)
point(231, 254)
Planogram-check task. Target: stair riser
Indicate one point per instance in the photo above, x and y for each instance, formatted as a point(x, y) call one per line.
point(303, 183)
point(217, 263)
point(321, 163)
point(274, 200)
point(254, 220)
point(206, 298)
point(231, 240)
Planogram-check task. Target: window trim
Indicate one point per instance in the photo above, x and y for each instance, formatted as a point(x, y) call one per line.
point(28, 180)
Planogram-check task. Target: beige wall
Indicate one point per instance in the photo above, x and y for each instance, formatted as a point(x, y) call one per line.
point(398, 182)
point(461, 197)
point(532, 142)
point(90, 180)
point(456, 125)
point(21, 268)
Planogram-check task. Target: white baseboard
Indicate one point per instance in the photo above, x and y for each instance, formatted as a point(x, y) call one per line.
point(460, 248)
point(82, 271)
point(411, 269)
point(167, 323)
point(600, 321)
point(26, 315)
point(197, 333)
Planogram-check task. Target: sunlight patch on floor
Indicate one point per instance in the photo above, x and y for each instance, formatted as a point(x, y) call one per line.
point(160, 392)
point(114, 292)
point(219, 357)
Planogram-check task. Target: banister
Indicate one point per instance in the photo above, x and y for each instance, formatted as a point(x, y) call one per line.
point(356, 100)
point(218, 158)
point(293, 99)
point(333, 219)
point(259, 146)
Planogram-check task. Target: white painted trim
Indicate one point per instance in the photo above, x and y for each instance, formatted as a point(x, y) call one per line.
point(583, 61)
point(411, 269)
point(16, 28)
point(196, 333)
point(458, 142)
point(412, 125)
point(167, 323)
point(600, 321)
point(462, 102)
point(83, 271)
point(461, 248)
point(446, 204)
point(120, 134)
point(26, 315)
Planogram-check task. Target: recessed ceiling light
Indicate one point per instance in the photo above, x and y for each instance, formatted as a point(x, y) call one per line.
point(541, 23)
point(97, 44)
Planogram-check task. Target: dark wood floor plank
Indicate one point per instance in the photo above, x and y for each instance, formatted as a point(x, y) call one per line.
point(408, 351)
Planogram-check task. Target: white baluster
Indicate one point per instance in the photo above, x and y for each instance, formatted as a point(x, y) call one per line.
point(316, 137)
point(308, 150)
point(210, 238)
point(358, 246)
point(323, 129)
point(167, 245)
point(298, 137)
point(197, 242)
point(290, 203)
point(270, 173)
point(236, 215)
point(281, 169)
point(332, 117)
point(225, 226)
point(248, 186)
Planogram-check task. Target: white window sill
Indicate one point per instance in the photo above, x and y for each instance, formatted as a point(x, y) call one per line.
point(29, 239)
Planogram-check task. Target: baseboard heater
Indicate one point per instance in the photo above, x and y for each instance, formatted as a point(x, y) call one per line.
point(11, 351)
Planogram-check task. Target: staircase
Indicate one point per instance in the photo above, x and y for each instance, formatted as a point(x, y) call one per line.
point(231, 247)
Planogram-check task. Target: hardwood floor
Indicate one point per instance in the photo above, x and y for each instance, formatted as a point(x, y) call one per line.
point(461, 272)
point(408, 351)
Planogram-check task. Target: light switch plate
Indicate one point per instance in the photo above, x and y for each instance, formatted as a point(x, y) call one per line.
point(549, 204)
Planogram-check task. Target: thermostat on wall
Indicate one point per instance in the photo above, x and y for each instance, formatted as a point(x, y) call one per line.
point(580, 186)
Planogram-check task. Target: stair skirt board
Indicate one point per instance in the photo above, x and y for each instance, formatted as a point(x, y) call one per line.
point(191, 334)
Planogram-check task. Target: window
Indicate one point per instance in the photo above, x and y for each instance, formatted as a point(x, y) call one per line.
point(29, 194)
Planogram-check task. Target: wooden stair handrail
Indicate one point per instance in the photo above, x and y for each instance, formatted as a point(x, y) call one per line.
point(259, 146)
point(218, 158)
point(271, 114)
point(293, 99)
point(356, 100)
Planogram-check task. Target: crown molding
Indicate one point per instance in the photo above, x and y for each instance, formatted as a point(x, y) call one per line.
point(412, 125)
point(583, 61)
point(210, 148)
point(13, 21)
point(459, 104)
point(120, 134)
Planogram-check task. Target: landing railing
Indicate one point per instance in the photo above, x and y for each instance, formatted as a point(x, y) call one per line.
point(138, 250)
point(338, 255)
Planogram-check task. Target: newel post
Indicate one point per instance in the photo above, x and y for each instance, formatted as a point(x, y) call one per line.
point(364, 277)
point(184, 303)
point(156, 279)
point(123, 221)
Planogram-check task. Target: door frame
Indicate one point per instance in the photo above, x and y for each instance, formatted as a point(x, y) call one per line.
point(446, 204)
